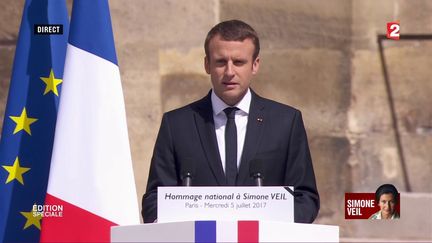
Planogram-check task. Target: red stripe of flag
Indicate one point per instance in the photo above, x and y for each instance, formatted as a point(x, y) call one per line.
point(248, 231)
point(75, 225)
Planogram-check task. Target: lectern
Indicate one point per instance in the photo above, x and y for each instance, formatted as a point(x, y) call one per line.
point(225, 214)
point(225, 231)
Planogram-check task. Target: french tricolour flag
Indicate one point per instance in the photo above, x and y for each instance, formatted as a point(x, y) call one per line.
point(227, 231)
point(91, 174)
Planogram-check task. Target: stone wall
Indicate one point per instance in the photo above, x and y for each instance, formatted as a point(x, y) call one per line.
point(374, 127)
point(322, 57)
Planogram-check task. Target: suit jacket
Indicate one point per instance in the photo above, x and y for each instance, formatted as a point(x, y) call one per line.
point(275, 135)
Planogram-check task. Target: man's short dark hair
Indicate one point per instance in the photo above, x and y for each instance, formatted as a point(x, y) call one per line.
point(385, 189)
point(233, 30)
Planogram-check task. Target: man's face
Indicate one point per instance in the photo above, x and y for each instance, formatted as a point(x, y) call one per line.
point(231, 67)
point(387, 204)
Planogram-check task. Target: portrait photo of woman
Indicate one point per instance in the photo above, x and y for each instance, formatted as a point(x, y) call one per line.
point(387, 198)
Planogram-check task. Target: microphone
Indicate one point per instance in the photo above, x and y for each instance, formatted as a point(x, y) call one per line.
point(187, 171)
point(256, 171)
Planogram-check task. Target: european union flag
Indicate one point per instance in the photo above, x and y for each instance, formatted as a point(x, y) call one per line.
point(30, 118)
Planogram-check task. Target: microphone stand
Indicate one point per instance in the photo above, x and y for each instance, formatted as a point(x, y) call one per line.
point(258, 179)
point(187, 179)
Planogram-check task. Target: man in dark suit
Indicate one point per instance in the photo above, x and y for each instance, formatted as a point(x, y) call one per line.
point(215, 139)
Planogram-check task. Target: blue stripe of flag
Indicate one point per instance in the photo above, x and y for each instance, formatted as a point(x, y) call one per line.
point(91, 30)
point(205, 231)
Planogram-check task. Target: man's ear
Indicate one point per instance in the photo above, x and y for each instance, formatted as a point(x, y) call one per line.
point(255, 65)
point(206, 65)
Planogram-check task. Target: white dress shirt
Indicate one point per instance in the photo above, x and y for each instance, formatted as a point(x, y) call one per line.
point(220, 119)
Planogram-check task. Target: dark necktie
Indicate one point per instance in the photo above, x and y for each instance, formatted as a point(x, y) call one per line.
point(231, 146)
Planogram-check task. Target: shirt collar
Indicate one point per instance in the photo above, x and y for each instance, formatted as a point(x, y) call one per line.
point(218, 105)
point(379, 215)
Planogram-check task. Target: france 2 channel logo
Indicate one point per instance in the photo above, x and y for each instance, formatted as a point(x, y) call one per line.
point(393, 30)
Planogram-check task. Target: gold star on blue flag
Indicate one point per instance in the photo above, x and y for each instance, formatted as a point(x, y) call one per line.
point(30, 118)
